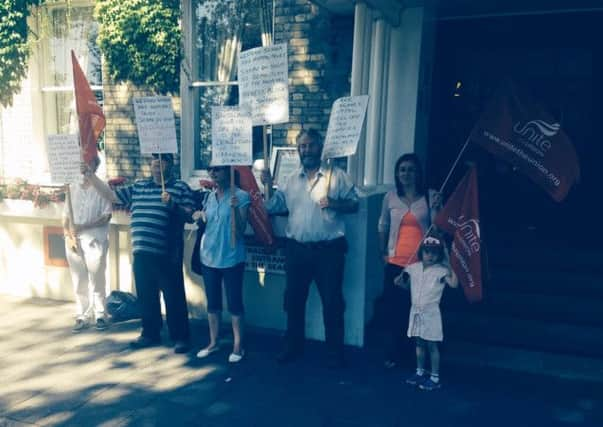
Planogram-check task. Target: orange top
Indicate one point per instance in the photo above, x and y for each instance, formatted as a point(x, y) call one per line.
point(409, 238)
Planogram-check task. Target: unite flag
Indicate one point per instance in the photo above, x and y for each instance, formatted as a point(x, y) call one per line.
point(91, 119)
point(518, 130)
point(460, 218)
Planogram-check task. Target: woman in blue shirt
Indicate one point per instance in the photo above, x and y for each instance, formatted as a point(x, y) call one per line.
point(223, 262)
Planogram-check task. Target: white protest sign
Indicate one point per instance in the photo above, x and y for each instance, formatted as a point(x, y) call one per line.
point(156, 125)
point(345, 125)
point(64, 159)
point(231, 136)
point(264, 84)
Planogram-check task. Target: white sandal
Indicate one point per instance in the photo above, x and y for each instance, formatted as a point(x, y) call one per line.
point(203, 353)
point(236, 358)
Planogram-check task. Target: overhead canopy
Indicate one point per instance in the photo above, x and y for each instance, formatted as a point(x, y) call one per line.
point(451, 9)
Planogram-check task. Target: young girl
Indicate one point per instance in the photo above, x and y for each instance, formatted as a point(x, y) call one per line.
point(427, 280)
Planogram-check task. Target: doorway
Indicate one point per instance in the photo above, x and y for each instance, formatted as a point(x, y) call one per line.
point(555, 57)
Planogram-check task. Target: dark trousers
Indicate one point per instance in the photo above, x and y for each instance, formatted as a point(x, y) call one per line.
point(396, 307)
point(232, 278)
point(154, 274)
point(323, 263)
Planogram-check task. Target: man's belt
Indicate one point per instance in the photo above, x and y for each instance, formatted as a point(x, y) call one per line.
point(338, 243)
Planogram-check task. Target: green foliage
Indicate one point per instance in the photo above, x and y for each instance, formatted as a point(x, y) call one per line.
point(140, 41)
point(14, 50)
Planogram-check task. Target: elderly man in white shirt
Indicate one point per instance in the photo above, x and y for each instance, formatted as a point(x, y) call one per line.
point(87, 243)
point(315, 198)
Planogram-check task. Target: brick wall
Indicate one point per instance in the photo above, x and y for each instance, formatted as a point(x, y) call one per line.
point(121, 138)
point(320, 57)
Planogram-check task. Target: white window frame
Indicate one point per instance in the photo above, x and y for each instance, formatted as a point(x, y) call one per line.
point(34, 104)
point(189, 120)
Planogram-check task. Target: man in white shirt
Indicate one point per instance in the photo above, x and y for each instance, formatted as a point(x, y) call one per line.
point(87, 243)
point(315, 198)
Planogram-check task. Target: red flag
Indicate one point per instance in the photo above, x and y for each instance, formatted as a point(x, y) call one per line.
point(519, 131)
point(460, 218)
point(90, 115)
point(258, 217)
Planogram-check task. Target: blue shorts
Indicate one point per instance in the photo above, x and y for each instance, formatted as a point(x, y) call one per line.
point(233, 285)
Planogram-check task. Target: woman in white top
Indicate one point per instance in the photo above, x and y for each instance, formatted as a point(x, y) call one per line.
point(86, 245)
point(406, 215)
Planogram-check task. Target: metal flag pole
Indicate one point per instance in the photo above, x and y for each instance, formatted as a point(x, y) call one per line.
point(456, 161)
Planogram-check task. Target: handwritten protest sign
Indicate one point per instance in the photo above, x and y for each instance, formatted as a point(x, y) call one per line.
point(230, 136)
point(264, 84)
point(345, 125)
point(155, 124)
point(64, 159)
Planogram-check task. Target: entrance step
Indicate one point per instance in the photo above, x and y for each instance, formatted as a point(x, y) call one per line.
point(530, 334)
point(546, 282)
point(541, 312)
point(539, 256)
point(578, 309)
point(575, 368)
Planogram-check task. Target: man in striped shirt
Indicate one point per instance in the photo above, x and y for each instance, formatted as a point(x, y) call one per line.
point(157, 225)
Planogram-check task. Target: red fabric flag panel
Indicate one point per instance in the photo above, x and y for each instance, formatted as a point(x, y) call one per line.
point(90, 115)
point(518, 130)
point(460, 218)
point(258, 217)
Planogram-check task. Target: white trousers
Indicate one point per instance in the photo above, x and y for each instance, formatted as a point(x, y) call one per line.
point(87, 267)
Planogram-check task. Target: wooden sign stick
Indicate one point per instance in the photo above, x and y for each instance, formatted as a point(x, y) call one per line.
point(72, 242)
point(267, 188)
point(329, 175)
point(161, 172)
point(233, 224)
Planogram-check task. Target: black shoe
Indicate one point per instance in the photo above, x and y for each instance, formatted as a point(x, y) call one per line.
point(144, 342)
point(181, 347)
point(288, 355)
point(336, 361)
point(101, 324)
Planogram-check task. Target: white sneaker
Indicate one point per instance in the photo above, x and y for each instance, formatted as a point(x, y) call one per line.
point(236, 358)
point(80, 325)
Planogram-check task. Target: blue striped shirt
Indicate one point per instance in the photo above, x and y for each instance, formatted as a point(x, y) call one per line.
point(154, 226)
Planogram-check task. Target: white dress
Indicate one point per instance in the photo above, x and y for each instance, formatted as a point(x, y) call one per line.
point(425, 320)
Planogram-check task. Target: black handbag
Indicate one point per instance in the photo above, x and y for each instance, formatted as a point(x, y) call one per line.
point(196, 256)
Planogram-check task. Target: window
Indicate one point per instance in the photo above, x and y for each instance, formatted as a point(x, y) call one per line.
point(69, 28)
point(54, 247)
point(220, 29)
point(46, 105)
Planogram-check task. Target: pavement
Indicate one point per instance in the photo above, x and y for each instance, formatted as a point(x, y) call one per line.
point(50, 376)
